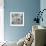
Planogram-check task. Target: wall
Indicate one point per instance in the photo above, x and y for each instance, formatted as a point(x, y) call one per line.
point(43, 6)
point(29, 7)
point(1, 21)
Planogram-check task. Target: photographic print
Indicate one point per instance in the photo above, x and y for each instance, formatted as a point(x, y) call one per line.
point(16, 18)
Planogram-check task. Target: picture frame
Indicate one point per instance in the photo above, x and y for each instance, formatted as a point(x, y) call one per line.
point(16, 18)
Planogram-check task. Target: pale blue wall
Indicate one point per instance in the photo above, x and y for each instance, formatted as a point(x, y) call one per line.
point(43, 6)
point(29, 7)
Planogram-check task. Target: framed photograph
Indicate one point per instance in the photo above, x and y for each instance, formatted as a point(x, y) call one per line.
point(16, 18)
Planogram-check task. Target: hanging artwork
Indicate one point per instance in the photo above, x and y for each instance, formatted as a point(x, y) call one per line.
point(16, 18)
